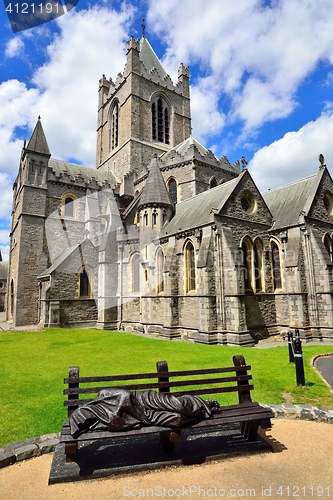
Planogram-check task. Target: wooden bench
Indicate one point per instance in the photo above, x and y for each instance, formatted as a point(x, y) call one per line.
point(205, 382)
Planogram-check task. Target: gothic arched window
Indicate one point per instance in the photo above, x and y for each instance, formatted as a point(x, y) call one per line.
point(172, 188)
point(12, 297)
point(136, 273)
point(160, 121)
point(85, 288)
point(276, 266)
point(328, 245)
point(114, 127)
point(258, 265)
point(159, 271)
point(69, 206)
point(213, 183)
point(247, 251)
point(189, 255)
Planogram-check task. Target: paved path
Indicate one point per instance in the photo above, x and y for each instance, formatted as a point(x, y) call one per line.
point(324, 365)
point(303, 469)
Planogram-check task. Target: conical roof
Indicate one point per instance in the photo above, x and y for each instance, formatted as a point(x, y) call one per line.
point(155, 191)
point(38, 143)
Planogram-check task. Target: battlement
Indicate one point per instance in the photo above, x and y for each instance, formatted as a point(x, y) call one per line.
point(191, 150)
point(79, 176)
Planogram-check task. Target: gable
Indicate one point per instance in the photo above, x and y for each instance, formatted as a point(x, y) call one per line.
point(320, 204)
point(245, 202)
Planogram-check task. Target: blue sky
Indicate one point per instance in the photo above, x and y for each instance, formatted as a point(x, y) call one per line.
point(261, 80)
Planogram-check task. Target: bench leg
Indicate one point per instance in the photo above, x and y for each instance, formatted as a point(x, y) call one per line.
point(71, 449)
point(249, 430)
point(168, 438)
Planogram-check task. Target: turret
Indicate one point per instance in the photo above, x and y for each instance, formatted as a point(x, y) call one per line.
point(155, 207)
point(184, 80)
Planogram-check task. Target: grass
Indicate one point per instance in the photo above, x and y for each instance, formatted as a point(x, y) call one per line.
point(34, 364)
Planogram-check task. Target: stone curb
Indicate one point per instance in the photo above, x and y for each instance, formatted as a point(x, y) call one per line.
point(303, 412)
point(29, 448)
point(34, 447)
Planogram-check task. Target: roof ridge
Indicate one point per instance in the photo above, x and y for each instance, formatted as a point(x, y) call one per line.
point(290, 184)
point(207, 191)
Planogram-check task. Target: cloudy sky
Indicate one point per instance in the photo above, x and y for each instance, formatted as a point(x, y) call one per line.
point(261, 80)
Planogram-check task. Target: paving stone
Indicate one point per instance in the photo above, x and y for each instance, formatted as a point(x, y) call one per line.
point(47, 437)
point(47, 446)
point(26, 451)
point(32, 440)
point(277, 410)
point(291, 411)
point(320, 414)
point(307, 414)
point(7, 458)
point(13, 446)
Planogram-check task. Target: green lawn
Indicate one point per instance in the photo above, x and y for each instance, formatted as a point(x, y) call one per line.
point(34, 364)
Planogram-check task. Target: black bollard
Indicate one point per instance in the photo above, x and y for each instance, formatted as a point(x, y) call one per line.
point(300, 378)
point(291, 347)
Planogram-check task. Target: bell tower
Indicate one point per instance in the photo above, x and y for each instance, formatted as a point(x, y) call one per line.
point(140, 114)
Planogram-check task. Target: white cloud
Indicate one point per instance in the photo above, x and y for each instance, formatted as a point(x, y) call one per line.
point(6, 201)
point(295, 155)
point(64, 91)
point(14, 47)
point(3, 236)
point(16, 104)
point(207, 119)
point(91, 43)
point(258, 56)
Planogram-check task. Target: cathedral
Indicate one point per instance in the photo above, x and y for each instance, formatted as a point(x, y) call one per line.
point(162, 236)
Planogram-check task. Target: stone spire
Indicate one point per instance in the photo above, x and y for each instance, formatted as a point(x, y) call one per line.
point(155, 191)
point(38, 143)
point(150, 59)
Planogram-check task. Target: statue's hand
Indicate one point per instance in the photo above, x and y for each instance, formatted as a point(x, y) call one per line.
point(214, 406)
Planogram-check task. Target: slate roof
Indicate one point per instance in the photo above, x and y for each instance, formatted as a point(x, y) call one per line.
point(74, 171)
point(149, 58)
point(287, 202)
point(155, 191)
point(184, 146)
point(38, 141)
point(3, 270)
point(197, 211)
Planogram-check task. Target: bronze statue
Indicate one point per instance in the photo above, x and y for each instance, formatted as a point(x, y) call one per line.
point(119, 409)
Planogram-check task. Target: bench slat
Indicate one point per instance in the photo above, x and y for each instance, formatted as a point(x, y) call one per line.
point(138, 376)
point(214, 390)
point(161, 385)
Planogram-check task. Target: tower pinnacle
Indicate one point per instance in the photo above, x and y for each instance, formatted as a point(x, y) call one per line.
point(143, 26)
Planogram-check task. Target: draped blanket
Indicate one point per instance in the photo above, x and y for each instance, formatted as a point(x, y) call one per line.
point(119, 409)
